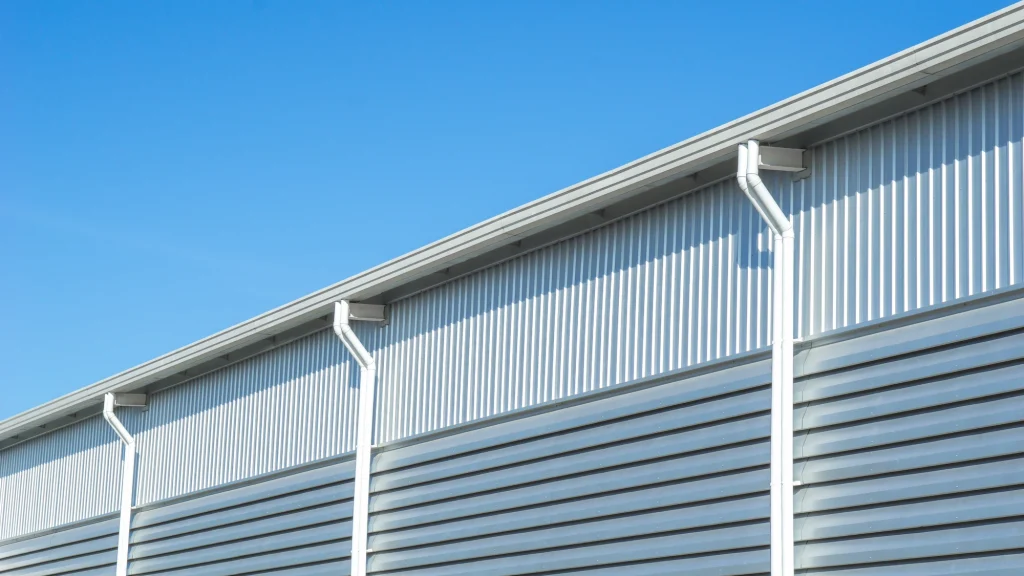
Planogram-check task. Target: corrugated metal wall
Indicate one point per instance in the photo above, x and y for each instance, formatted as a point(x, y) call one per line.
point(67, 475)
point(922, 208)
point(280, 409)
point(917, 210)
point(909, 444)
point(909, 447)
point(286, 407)
point(670, 287)
point(297, 522)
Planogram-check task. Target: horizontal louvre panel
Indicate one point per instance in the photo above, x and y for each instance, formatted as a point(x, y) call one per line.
point(695, 543)
point(675, 470)
point(298, 519)
point(984, 565)
point(914, 464)
point(88, 549)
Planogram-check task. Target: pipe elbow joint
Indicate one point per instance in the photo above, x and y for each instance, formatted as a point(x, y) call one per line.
point(741, 169)
point(757, 184)
point(348, 337)
point(114, 422)
point(769, 209)
point(338, 330)
point(369, 364)
point(741, 179)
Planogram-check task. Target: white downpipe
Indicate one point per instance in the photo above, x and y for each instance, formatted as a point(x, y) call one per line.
point(127, 483)
point(748, 177)
point(364, 433)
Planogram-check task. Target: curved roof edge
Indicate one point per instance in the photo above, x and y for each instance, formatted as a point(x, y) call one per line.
point(934, 58)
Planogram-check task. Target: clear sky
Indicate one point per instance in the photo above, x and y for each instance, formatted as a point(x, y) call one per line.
point(168, 169)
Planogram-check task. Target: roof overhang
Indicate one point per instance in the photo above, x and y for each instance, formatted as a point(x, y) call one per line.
point(913, 77)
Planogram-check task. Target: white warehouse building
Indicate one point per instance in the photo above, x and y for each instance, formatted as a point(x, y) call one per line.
point(791, 344)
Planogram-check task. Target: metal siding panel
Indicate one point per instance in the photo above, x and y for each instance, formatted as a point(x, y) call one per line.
point(550, 544)
point(742, 562)
point(299, 519)
point(962, 540)
point(269, 492)
point(700, 414)
point(612, 503)
point(67, 475)
point(288, 406)
point(986, 565)
point(696, 545)
point(909, 458)
point(930, 514)
point(676, 469)
point(283, 408)
point(914, 460)
point(584, 314)
point(919, 209)
point(89, 549)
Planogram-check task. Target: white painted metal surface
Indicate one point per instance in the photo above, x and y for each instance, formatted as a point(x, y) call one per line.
point(64, 476)
point(283, 408)
point(781, 159)
point(343, 313)
point(750, 159)
point(128, 471)
point(365, 312)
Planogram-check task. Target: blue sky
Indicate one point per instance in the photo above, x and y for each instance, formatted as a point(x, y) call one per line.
point(168, 169)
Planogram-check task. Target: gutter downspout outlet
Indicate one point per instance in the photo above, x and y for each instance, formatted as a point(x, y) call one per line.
point(127, 474)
